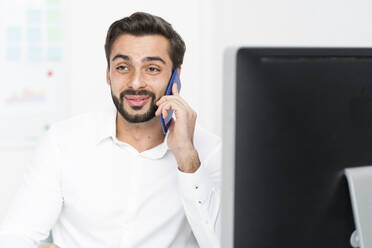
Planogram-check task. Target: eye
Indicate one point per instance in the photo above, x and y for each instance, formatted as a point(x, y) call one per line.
point(153, 69)
point(122, 68)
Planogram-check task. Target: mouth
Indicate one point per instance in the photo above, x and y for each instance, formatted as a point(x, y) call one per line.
point(137, 100)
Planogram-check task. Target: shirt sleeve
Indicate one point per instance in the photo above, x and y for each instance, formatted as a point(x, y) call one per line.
point(200, 192)
point(38, 202)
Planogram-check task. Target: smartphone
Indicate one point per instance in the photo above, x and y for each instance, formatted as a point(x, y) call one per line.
point(175, 78)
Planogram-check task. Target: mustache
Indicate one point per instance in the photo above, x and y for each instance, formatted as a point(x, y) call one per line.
point(137, 93)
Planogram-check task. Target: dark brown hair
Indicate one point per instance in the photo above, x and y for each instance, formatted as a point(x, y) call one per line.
point(141, 23)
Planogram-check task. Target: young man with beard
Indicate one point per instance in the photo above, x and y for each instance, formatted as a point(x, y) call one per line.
point(113, 179)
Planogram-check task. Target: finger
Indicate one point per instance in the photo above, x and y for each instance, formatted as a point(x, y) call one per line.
point(158, 111)
point(164, 113)
point(165, 99)
point(161, 100)
point(172, 98)
point(165, 110)
point(161, 104)
point(165, 107)
point(177, 98)
point(175, 89)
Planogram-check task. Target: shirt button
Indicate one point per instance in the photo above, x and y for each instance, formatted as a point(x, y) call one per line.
point(196, 186)
point(200, 202)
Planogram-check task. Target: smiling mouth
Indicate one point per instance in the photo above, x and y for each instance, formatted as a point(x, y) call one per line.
point(137, 100)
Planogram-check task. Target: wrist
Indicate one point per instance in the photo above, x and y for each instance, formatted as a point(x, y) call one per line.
point(188, 160)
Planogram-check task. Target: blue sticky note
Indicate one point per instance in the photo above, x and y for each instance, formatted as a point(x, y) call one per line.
point(13, 53)
point(14, 34)
point(34, 16)
point(35, 53)
point(54, 53)
point(34, 35)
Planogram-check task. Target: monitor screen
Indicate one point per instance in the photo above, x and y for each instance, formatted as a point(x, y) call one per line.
point(302, 115)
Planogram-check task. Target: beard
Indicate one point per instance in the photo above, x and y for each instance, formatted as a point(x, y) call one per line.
point(135, 118)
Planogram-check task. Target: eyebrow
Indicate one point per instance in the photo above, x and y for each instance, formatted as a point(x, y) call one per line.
point(121, 56)
point(147, 59)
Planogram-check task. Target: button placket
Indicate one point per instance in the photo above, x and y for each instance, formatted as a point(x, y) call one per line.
point(126, 241)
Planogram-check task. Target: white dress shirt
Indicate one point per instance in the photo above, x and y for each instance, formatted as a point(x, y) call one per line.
point(94, 191)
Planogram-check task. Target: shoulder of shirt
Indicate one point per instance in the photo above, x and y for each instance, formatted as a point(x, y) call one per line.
point(78, 129)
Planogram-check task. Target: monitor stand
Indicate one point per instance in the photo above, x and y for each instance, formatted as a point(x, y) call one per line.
point(360, 187)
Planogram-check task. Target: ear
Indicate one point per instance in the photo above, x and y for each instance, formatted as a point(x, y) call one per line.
point(108, 78)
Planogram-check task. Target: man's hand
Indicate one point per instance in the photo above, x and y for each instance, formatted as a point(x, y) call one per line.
point(181, 130)
point(46, 245)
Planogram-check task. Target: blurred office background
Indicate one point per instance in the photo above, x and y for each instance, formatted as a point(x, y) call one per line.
point(72, 59)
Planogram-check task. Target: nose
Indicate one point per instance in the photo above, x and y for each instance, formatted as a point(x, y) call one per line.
point(137, 81)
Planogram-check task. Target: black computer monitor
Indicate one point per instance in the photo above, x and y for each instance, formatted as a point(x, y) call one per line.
point(294, 118)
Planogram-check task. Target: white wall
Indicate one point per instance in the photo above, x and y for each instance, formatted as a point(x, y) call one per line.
point(298, 23)
point(207, 27)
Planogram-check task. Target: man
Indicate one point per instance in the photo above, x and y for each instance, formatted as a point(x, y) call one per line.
point(113, 179)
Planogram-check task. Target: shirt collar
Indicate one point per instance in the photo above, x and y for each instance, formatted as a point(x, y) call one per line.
point(107, 130)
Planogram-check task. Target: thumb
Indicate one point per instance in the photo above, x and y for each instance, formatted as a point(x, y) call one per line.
point(175, 89)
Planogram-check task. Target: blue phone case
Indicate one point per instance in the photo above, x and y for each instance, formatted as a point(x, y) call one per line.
point(175, 78)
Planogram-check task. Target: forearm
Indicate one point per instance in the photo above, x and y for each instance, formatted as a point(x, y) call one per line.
point(201, 199)
point(188, 160)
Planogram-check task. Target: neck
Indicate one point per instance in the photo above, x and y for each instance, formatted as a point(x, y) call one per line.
point(142, 136)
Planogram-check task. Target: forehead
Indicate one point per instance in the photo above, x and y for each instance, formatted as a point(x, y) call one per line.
point(138, 47)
